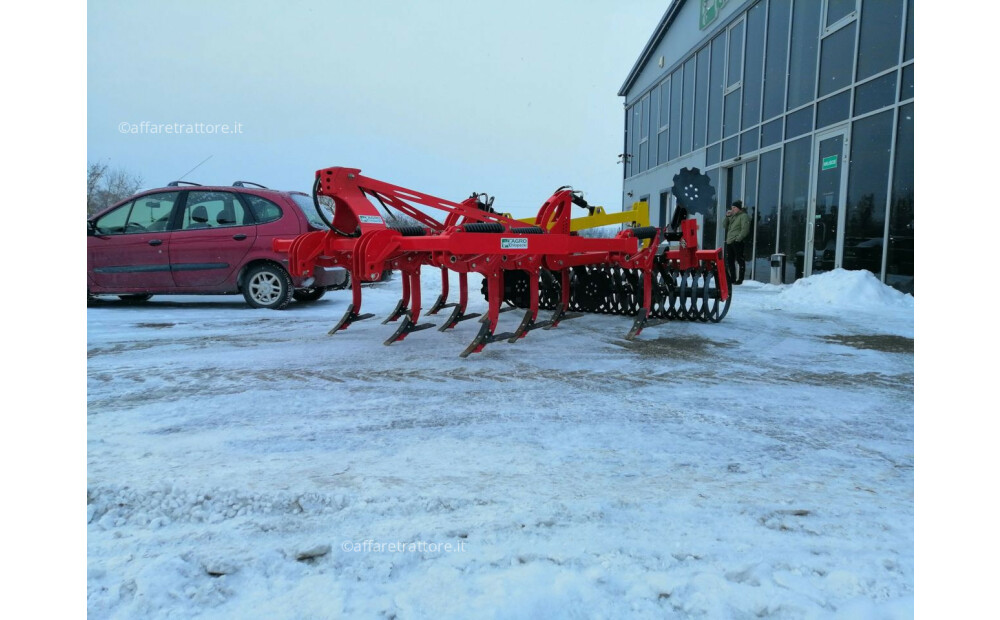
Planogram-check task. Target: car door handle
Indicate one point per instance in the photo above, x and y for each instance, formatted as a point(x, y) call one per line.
point(155, 242)
point(239, 237)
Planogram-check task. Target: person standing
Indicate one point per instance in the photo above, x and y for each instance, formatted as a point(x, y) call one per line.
point(737, 227)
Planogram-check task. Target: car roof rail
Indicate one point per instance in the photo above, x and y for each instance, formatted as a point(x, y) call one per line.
point(176, 183)
point(245, 183)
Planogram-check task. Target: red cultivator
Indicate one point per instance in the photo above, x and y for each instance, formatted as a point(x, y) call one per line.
point(544, 265)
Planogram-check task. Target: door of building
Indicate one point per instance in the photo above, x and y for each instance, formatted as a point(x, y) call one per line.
point(741, 184)
point(825, 237)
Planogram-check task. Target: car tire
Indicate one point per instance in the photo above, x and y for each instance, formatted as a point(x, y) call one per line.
point(346, 283)
point(308, 295)
point(267, 286)
point(135, 299)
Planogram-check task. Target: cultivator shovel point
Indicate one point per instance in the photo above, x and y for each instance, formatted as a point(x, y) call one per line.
point(541, 263)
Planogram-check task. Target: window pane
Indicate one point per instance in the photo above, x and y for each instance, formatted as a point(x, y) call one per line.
point(879, 46)
point(628, 144)
point(687, 112)
point(798, 123)
point(731, 121)
point(754, 73)
point(713, 154)
point(734, 186)
point(644, 119)
point(731, 148)
point(113, 223)
point(636, 110)
point(654, 123)
point(771, 132)
point(899, 262)
point(734, 69)
point(665, 103)
point(748, 141)
point(644, 134)
point(664, 210)
point(711, 220)
point(838, 9)
point(794, 198)
point(662, 146)
point(676, 94)
point(766, 218)
point(152, 213)
point(264, 210)
point(750, 204)
point(701, 98)
point(875, 94)
point(802, 64)
point(716, 79)
point(906, 87)
point(908, 49)
point(213, 210)
point(867, 183)
point(777, 57)
point(833, 109)
point(837, 60)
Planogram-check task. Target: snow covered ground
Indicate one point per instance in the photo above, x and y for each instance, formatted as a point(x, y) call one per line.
point(242, 463)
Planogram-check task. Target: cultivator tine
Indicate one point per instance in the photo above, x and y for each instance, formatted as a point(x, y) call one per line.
point(485, 335)
point(561, 312)
point(458, 314)
point(638, 325)
point(443, 297)
point(349, 317)
point(528, 322)
point(406, 327)
point(642, 318)
point(409, 323)
point(404, 301)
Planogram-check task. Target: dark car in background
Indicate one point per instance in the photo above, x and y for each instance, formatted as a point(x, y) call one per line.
point(193, 239)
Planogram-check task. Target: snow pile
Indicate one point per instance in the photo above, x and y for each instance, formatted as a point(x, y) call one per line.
point(842, 289)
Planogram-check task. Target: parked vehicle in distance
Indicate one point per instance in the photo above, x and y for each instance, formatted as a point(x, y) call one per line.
point(205, 240)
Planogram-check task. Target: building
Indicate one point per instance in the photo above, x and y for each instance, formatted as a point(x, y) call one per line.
point(803, 109)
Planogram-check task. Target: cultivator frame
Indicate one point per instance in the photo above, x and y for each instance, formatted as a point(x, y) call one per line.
point(473, 238)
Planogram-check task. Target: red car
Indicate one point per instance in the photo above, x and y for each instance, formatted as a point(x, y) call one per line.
point(193, 239)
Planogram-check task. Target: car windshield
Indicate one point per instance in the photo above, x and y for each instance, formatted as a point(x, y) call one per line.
point(305, 203)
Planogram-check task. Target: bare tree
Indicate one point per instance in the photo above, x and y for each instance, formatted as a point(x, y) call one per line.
point(106, 185)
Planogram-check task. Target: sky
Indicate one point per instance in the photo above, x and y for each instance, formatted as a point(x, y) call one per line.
point(447, 97)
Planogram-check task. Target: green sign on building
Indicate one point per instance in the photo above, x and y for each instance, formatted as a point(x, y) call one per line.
point(709, 11)
point(829, 162)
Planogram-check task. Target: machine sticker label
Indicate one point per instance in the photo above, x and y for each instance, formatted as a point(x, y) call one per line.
point(829, 162)
point(370, 219)
point(513, 243)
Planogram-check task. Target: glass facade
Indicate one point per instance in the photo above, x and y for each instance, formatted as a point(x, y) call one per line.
point(768, 96)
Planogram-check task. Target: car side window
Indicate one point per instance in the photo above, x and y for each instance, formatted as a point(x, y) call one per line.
point(263, 209)
point(214, 210)
point(113, 223)
point(151, 213)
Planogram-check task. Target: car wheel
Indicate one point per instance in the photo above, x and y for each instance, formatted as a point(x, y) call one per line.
point(135, 299)
point(346, 284)
point(308, 294)
point(267, 286)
